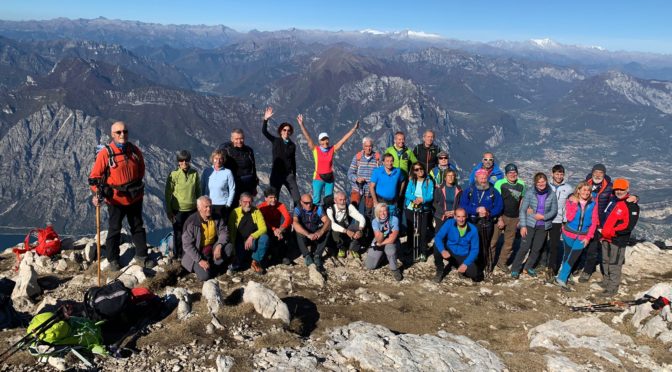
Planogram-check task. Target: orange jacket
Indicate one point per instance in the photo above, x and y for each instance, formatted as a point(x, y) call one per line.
point(129, 167)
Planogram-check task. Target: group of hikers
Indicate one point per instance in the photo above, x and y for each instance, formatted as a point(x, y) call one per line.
point(402, 191)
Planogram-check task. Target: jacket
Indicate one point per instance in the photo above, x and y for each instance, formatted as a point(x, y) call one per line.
point(276, 216)
point(579, 225)
point(439, 202)
point(402, 158)
point(530, 201)
point(284, 154)
point(427, 156)
point(621, 220)
point(341, 220)
point(449, 237)
point(512, 196)
point(360, 166)
point(438, 175)
point(129, 169)
point(191, 239)
point(219, 185)
point(182, 190)
point(427, 193)
point(241, 162)
point(495, 174)
point(602, 196)
point(472, 198)
point(562, 192)
point(257, 218)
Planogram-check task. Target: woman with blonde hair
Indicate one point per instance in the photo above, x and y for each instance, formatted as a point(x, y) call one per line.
point(217, 182)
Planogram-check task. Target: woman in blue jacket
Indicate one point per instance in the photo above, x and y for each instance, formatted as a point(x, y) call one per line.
point(418, 207)
point(537, 212)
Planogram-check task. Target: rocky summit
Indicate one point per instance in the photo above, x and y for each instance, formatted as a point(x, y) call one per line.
point(359, 320)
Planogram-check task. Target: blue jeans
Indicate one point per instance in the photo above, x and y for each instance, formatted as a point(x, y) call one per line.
point(258, 251)
point(318, 186)
point(573, 249)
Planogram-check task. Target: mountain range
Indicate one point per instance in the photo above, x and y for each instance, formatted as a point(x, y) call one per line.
point(62, 83)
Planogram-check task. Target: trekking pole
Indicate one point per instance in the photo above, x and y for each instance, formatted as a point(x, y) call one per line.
point(416, 235)
point(615, 306)
point(34, 334)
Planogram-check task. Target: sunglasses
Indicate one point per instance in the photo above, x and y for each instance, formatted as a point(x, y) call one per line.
point(306, 202)
point(119, 132)
point(443, 158)
point(418, 169)
point(488, 159)
point(183, 161)
point(286, 130)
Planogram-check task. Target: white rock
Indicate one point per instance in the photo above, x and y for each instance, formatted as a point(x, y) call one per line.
point(133, 276)
point(46, 301)
point(316, 277)
point(26, 282)
point(82, 242)
point(560, 363)
point(62, 265)
point(43, 264)
point(90, 252)
point(639, 257)
point(265, 302)
point(184, 305)
point(224, 363)
point(213, 295)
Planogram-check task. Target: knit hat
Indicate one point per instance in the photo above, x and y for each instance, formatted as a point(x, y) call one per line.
point(510, 168)
point(621, 184)
point(322, 136)
point(599, 167)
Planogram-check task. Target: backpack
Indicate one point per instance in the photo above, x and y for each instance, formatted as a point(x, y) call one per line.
point(108, 302)
point(309, 219)
point(361, 154)
point(166, 244)
point(48, 243)
point(328, 203)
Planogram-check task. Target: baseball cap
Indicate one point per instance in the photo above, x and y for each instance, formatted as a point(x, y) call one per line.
point(322, 136)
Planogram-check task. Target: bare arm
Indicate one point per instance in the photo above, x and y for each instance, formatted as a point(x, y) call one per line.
point(298, 228)
point(347, 136)
point(311, 144)
point(372, 189)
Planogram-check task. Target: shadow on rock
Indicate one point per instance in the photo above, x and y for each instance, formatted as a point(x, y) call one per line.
point(304, 315)
point(234, 298)
point(51, 282)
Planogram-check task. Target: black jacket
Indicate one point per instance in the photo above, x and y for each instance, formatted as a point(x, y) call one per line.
point(427, 156)
point(241, 163)
point(284, 154)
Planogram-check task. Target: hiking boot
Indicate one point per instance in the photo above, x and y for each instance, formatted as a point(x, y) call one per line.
point(286, 261)
point(505, 269)
point(113, 266)
point(397, 275)
point(230, 271)
point(341, 253)
point(532, 273)
point(607, 293)
point(515, 274)
point(308, 260)
point(561, 284)
point(584, 278)
point(318, 264)
point(438, 277)
point(356, 255)
point(570, 280)
point(421, 258)
point(549, 275)
point(256, 266)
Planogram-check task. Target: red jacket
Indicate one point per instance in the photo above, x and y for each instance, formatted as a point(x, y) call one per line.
point(129, 167)
point(620, 221)
point(273, 216)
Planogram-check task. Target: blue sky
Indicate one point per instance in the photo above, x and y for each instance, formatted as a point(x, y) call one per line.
point(615, 25)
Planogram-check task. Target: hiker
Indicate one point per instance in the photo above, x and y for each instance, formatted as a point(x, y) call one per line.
point(387, 183)
point(622, 216)
point(311, 226)
point(120, 167)
point(182, 189)
point(427, 152)
point(278, 225)
point(361, 169)
point(582, 220)
point(206, 242)
point(347, 226)
point(419, 197)
point(446, 198)
point(385, 240)
point(248, 235)
point(323, 155)
point(240, 161)
point(283, 170)
point(483, 204)
point(537, 212)
point(562, 191)
point(403, 156)
point(489, 165)
point(457, 243)
point(217, 182)
point(512, 190)
point(438, 173)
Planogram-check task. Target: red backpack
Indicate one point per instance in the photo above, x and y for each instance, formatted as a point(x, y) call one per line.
point(48, 243)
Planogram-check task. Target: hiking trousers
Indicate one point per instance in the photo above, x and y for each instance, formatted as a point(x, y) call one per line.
point(375, 255)
point(133, 214)
point(178, 224)
point(613, 258)
point(593, 253)
point(318, 187)
point(257, 252)
point(454, 261)
point(304, 245)
point(289, 181)
point(533, 242)
point(509, 232)
point(550, 256)
point(572, 251)
point(216, 267)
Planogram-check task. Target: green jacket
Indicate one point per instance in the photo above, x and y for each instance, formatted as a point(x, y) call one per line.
point(402, 159)
point(182, 190)
point(234, 220)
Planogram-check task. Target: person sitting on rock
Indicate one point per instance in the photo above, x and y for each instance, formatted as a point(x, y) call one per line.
point(205, 240)
point(278, 224)
point(457, 243)
point(385, 240)
point(311, 225)
point(248, 234)
point(347, 225)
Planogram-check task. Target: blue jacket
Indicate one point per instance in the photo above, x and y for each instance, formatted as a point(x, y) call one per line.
point(449, 237)
point(472, 198)
point(495, 175)
point(530, 201)
point(427, 193)
point(602, 196)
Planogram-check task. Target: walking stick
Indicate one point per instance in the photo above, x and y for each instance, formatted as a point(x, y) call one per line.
point(416, 236)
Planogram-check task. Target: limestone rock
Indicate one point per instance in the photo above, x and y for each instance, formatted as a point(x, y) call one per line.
point(265, 302)
point(82, 242)
point(133, 276)
point(224, 363)
point(90, 252)
point(26, 283)
point(62, 265)
point(213, 295)
point(560, 363)
point(46, 301)
point(639, 257)
point(184, 305)
point(316, 277)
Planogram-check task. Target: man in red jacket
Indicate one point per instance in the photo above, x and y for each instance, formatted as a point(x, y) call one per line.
point(278, 223)
point(120, 168)
point(622, 216)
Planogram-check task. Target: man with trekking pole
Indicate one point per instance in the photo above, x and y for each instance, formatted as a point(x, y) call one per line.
point(119, 170)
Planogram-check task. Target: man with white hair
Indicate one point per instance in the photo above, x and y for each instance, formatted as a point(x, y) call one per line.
point(205, 240)
point(359, 174)
point(347, 225)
